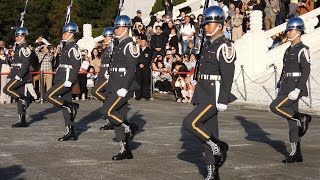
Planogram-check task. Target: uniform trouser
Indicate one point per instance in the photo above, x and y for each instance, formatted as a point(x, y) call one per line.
point(202, 122)
point(15, 89)
point(286, 108)
point(143, 78)
point(99, 89)
point(58, 95)
point(115, 108)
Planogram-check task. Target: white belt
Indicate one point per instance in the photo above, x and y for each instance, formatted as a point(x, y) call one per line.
point(210, 77)
point(293, 74)
point(66, 66)
point(17, 64)
point(104, 65)
point(118, 70)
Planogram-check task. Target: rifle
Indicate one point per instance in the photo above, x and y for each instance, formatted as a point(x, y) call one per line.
point(23, 13)
point(121, 3)
point(195, 75)
point(68, 13)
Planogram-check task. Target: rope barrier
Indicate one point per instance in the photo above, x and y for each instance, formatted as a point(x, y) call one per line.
point(271, 75)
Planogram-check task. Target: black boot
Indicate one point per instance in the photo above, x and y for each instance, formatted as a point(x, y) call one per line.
point(26, 101)
point(133, 128)
point(107, 126)
point(22, 122)
point(72, 109)
point(213, 173)
point(70, 135)
point(124, 153)
point(219, 149)
point(295, 155)
point(303, 122)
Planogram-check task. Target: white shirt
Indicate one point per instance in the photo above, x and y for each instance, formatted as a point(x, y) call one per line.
point(187, 29)
point(225, 10)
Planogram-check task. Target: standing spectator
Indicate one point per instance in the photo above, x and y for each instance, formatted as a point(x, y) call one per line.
point(182, 17)
point(198, 33)
point(82, 77)
point(236, 22)
point(91, 76)
point(173, 39)
point(137, 18)
point(293, 7)
point(224, 8)
point(232, 10)
point(95, 60)
point(45, 62)
point(227, 28)
point(260, 6)
point(157, 23)
point(305, 7)
point(271, 10)
point(4, 68)
point(149, 33)
point(153, 19)
point(143, 71)
point(187, 32)
point(158, 42)
point(167, 30)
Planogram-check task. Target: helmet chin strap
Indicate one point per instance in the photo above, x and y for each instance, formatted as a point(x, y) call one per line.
point(108, 41)
point(67, 39)
point(20, 40)
point(124, 32)
point(294, 37)
point(214, 32)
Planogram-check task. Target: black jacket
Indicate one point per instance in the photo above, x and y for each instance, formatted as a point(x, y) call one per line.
point(158, 41)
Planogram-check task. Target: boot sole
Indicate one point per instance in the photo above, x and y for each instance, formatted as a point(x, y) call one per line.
point(309, 118)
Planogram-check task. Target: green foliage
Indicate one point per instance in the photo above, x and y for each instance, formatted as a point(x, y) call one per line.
point(158, 6)
point(47, 18)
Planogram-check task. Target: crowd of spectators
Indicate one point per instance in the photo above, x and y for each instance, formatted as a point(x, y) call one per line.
point(174, 42)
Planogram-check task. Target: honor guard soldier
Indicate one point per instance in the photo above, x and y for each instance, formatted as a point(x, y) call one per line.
point(143, 71)
point(19, 76)
point(292, 86)
point(213, 90)
point(99, 90)
point(121, 86)
point(66, 75)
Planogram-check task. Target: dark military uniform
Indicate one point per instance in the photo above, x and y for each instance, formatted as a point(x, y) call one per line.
point(58, 94)
point(143, 75)
point(123, 67)
point(214, 86)
point(295, 73)
point(20, 67)
point(100, 87)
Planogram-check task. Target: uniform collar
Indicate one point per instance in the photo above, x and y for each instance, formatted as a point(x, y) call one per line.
point(124, 39)
point(296, 44)
point(216, 38)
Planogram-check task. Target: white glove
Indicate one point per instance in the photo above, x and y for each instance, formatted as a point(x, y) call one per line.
point(106, 75)
point(67, 84)
point(193, 82)
point(17, 78)
point(277, 90)
point(222, 107)
point(122, 92)
point(293, 95)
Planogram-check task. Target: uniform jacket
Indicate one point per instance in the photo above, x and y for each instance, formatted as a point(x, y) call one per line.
point(22, 55)
point(105, 59)
point(291, 64)
point(123, 59)
point(209, 64)
point(70, 55)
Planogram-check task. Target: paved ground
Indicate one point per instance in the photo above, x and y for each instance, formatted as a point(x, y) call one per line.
point(162, 149)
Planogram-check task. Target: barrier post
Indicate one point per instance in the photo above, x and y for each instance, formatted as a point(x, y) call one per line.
point(244, 83)
point(41, 85)
point(275, 80)
point(151, 83)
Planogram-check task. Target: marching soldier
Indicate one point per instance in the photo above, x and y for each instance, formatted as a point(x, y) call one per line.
point(66, 75)
point(19, 76)
point(143, 71)
point(121, 86)
point(213, 90)
point(99, 90)
point(292, 86)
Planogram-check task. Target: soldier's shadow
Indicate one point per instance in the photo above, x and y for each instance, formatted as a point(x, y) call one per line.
point(11, 172)
point(192, 151)
point(257, 134)
point(83, 124)
point(137, 119)
point(42, 115)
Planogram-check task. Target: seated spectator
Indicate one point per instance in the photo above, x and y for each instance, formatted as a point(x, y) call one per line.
point(305, 7)
point(179, 85)
point(91, 76)
point(157, 23)
point(169, 60)
point(163, 79)
point(188, 91)
point(191, 49)
point(190, 62)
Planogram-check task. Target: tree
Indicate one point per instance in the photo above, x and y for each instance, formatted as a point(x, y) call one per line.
point(158, 5)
